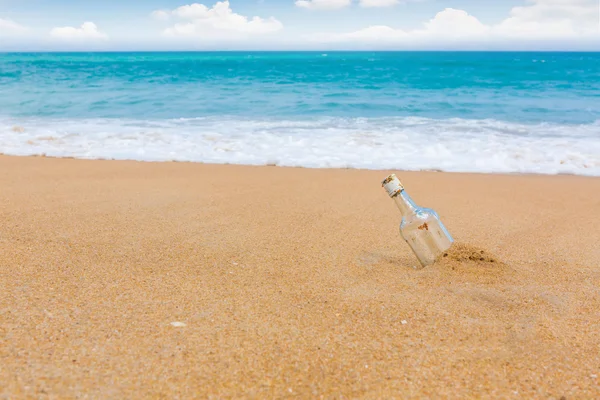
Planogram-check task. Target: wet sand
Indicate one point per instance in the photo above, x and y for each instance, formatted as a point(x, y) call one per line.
point(175, 280)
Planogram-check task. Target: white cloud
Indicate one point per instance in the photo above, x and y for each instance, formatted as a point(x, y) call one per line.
point(87, 31)
point(539, 20)
point(552, 18)
point(378, 3)
point(11, 27)
point(453, 23)
point(216, 22)
point(448, 24)
point(338, 4)
point(324, 4)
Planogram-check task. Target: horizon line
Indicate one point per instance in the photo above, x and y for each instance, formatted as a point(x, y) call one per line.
point(302, 51)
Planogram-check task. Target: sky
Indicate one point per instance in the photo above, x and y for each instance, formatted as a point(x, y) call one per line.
point(121, 25)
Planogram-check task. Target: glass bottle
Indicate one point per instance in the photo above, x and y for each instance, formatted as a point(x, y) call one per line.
point(421, 227)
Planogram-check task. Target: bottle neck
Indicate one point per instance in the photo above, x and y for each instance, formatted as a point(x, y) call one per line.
point(405, 204)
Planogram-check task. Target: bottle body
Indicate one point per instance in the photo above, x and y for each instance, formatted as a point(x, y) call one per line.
point(421, 227)
point(426, 235)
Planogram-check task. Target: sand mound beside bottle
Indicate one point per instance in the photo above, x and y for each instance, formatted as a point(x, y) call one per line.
point(461, 252)
point(468, 260)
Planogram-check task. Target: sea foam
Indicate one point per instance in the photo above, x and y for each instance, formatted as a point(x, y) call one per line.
point(406, 143)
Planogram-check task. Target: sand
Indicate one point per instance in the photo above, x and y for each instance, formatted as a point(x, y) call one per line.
point(137, 280)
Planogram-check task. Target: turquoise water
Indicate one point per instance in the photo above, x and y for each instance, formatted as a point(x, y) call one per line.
point(461, 111)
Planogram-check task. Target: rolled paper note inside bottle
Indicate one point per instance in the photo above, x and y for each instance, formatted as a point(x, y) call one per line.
point(420, 227)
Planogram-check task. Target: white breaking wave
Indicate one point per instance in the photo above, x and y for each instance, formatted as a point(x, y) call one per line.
point(457, 145)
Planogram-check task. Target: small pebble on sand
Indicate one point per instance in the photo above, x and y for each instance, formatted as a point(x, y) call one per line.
point(178, 324)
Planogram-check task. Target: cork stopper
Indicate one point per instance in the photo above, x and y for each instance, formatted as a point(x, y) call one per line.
point(392, 185)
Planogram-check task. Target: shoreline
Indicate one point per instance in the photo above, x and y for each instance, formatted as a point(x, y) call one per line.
point(533, 174)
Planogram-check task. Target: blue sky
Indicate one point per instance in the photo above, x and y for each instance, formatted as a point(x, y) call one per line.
point(299, 24)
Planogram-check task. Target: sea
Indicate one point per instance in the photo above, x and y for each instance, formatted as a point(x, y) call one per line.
point(491, 112)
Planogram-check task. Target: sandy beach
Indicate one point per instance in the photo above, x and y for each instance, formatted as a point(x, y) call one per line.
point(137, 280)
